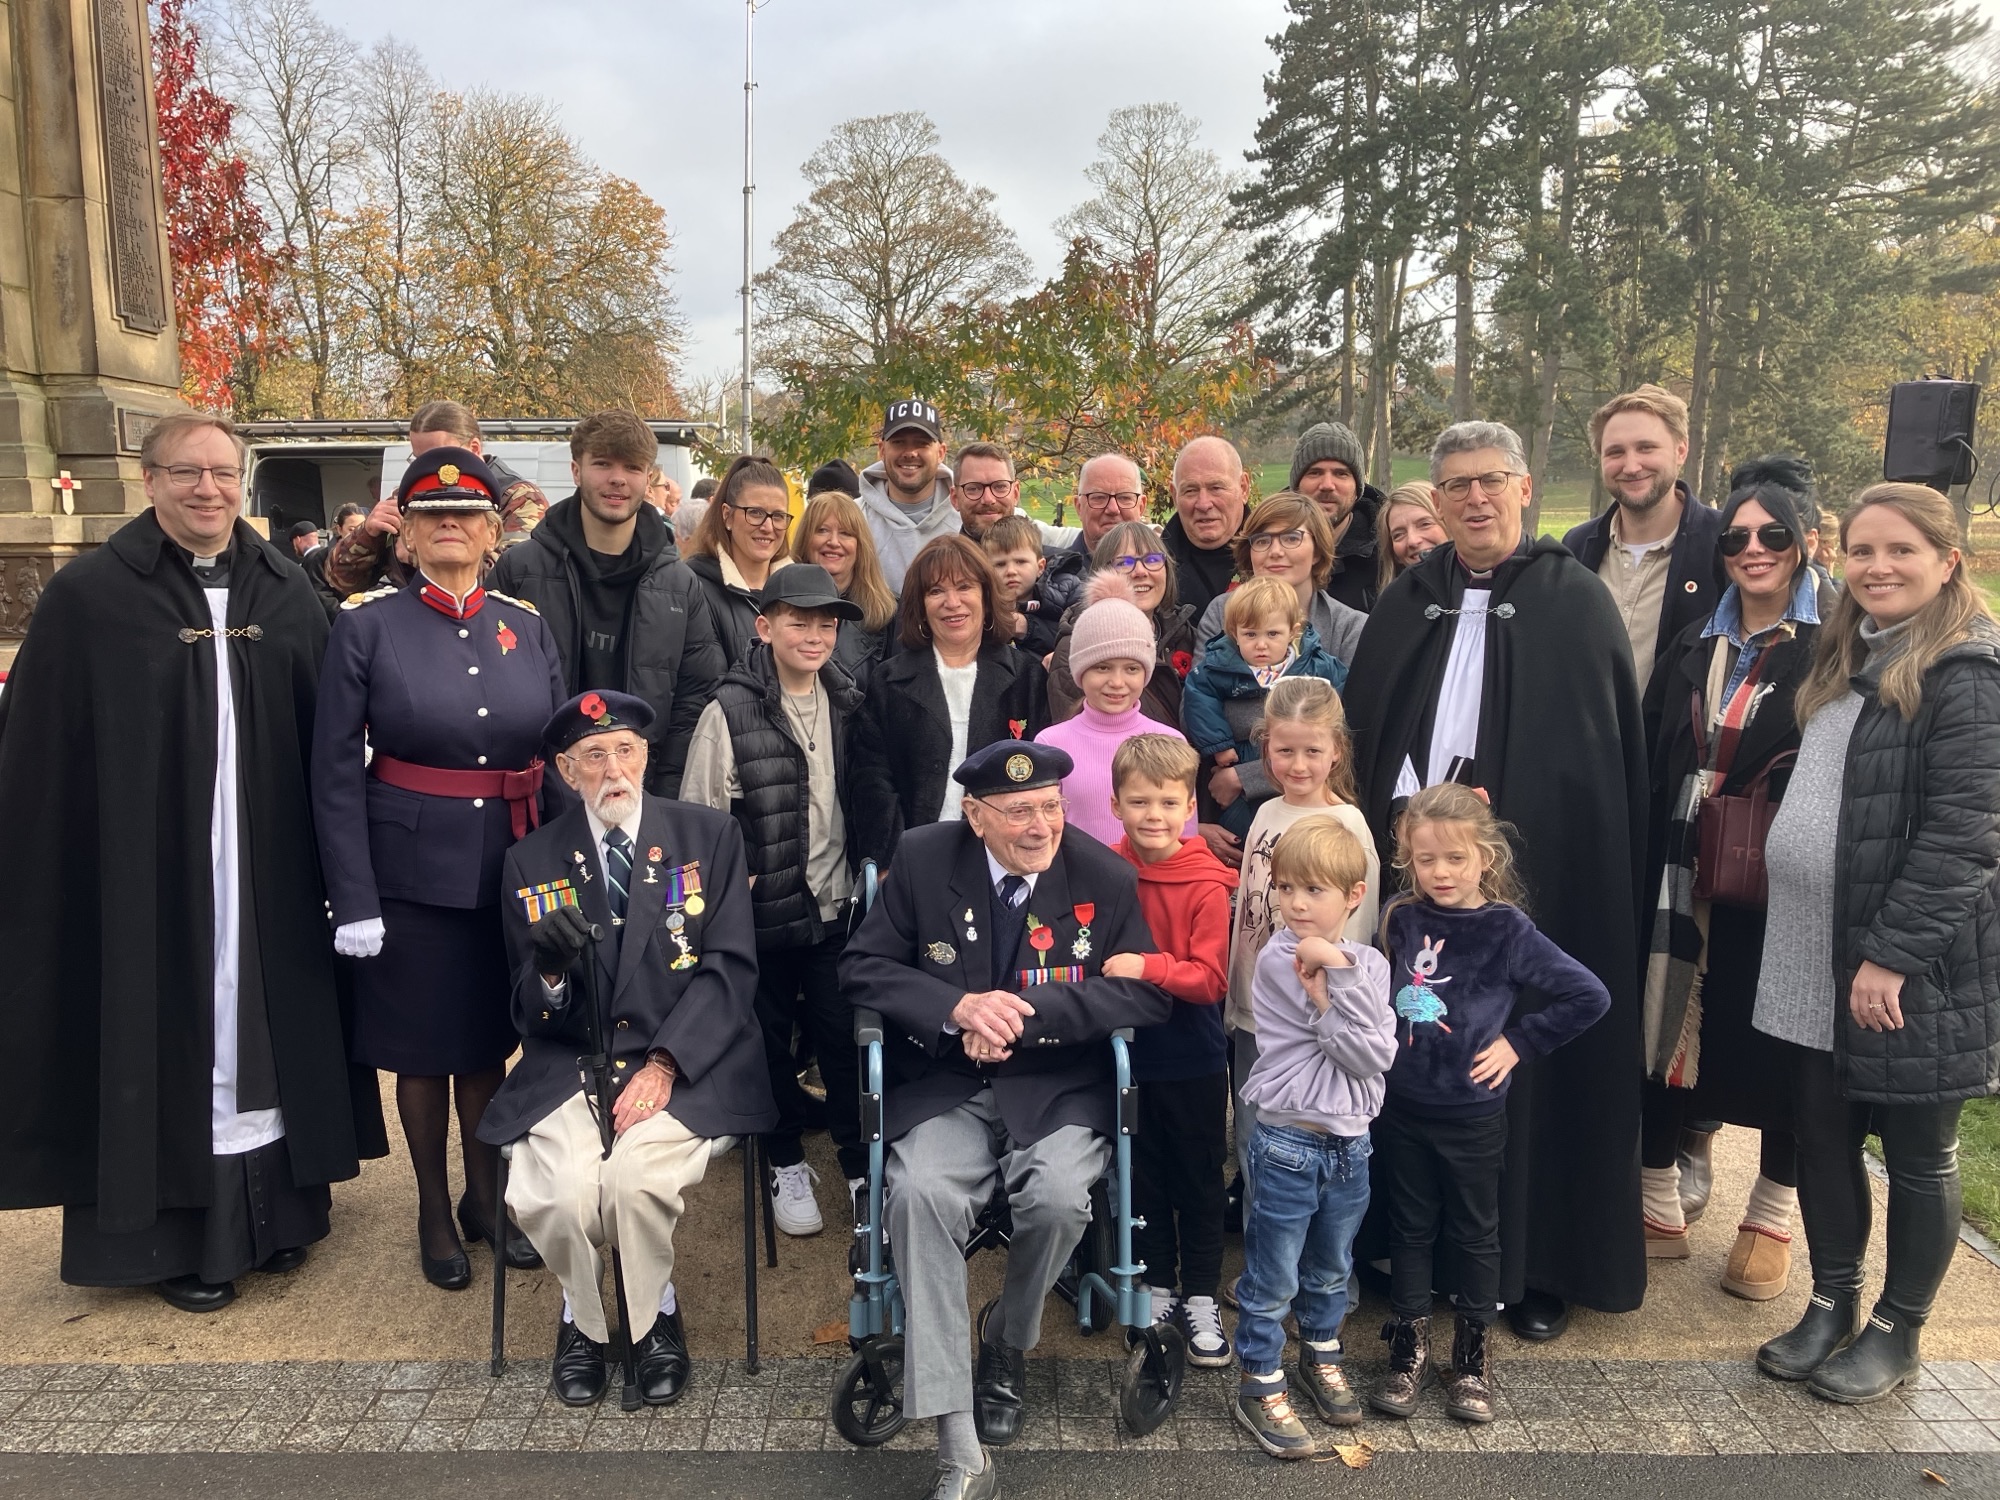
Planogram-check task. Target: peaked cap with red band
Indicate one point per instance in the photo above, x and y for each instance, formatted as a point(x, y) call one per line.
point(448, 479)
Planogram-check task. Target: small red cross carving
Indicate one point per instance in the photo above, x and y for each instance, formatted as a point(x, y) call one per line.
point(67, 487)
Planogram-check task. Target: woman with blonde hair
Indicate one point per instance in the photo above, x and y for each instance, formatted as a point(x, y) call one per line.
point(833, 533)
point(1881, 967)
point(1406, 529)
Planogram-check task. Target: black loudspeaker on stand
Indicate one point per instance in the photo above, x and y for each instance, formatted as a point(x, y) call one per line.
point(1931, 425)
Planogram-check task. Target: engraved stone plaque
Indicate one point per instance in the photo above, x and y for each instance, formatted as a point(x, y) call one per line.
point(138, 282)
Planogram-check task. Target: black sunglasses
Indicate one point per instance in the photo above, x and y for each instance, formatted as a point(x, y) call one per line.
point(1775, 535)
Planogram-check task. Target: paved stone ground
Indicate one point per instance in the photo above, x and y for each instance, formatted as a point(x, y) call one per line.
point(1687, 1408)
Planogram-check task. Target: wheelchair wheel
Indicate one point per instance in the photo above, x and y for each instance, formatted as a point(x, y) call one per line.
point(868, 1397)
point(1097, 1251)
point(1152, 1384)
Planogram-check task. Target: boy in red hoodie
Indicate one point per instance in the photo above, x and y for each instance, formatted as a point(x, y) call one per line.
point(1180, 1066)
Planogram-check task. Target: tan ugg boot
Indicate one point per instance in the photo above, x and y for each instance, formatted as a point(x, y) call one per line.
point(1760, 1263)
point(1663, 1242)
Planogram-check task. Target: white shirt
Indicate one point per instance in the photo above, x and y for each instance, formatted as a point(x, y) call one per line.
point(958, 684)
point(1455, 726)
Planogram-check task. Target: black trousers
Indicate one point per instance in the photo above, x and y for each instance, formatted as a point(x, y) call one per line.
point(1442, 1177)
point(1177, 1160)
point(1920, 1151)
point(800, 988)
point(1664, 1113)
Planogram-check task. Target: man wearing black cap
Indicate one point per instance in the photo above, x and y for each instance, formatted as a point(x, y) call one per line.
point(983, 954)
point(771, 748)
point(625, 612)
point(675, 971)
point(836, 474)
point(1326, 469)
point(906, 493)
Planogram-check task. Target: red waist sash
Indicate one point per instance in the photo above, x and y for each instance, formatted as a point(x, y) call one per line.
point(519, 789)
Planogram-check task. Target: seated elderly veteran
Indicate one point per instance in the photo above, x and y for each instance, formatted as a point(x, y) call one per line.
point(982, 952)
point(676, 974)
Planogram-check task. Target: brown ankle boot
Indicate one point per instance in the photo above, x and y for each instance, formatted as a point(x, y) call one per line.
point(1468, 1395)
point(1409, 1341)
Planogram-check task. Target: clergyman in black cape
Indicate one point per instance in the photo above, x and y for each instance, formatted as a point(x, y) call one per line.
point(175, 1072)
point(1546, 719)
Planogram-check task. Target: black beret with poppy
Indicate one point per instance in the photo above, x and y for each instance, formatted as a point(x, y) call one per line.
point(597, 712)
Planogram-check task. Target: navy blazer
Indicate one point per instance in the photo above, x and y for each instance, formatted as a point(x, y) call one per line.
point(1695, 579)
point(916, 956)
point(458, 695)
point(703, 1013)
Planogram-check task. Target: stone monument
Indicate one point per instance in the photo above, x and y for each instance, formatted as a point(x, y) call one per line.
point(88, 353)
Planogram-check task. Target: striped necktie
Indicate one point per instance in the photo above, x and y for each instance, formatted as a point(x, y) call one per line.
point(618, 869)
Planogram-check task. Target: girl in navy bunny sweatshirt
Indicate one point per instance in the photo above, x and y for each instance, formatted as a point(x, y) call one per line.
point(1461, 952)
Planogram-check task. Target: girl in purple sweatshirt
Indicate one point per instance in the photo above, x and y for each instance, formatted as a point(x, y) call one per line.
point(1325, 1036)
point(1461, 954)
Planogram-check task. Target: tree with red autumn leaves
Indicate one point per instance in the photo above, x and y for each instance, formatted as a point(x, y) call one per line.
point(223, 270)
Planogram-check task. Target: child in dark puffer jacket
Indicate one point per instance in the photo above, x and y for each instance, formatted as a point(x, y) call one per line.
point(1266, 638)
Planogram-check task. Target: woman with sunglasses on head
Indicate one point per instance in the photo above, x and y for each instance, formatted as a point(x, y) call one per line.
point(1881, 970)
point(739, 544)
point(1137, 551)
point(1722, 701)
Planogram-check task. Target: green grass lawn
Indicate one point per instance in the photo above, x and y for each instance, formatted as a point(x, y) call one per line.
point(1979, 1163)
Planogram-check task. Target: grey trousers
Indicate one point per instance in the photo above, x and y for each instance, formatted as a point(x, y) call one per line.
point(940, 1176)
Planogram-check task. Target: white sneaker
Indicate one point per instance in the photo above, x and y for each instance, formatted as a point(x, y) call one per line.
point(857, 1195)
point(1163, 1303)
point(1201, 1321)
point(792, 1201)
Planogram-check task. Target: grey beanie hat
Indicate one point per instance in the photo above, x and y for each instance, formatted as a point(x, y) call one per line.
point(1324, 440)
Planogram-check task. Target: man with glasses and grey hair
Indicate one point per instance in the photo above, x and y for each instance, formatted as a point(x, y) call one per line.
point(984, 954)
point(1500, 661)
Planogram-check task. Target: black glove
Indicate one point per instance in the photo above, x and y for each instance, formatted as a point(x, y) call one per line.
point(559, 939)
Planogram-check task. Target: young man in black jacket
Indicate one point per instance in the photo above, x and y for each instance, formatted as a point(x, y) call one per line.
point(626, 613)
point(771, 749)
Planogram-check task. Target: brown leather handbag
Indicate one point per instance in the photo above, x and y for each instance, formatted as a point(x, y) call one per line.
point(1729, 839)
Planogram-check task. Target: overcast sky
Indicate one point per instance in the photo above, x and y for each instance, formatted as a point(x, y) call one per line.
point(1019, 89)
point(653, 89)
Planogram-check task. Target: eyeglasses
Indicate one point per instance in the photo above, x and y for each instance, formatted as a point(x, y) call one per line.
point(1152, 562)
point(1492, 485)
point(1104, 499)
point(187, 476)
point(999, 489)
point(1734, 540)
point(759, 518)
point(599, 758)
point(1021, 814)
point(1291, 540)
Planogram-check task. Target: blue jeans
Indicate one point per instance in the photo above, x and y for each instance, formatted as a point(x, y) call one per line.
point(1298, 1238)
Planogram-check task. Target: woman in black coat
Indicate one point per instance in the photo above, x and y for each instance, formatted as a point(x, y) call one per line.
point(1881, 973)
point(957, 685)
point(1722, 699)
point(739, 544)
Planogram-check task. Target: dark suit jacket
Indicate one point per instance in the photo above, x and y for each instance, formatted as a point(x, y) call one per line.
point(1695, 579)
point(702, 1014)
point(913, 961)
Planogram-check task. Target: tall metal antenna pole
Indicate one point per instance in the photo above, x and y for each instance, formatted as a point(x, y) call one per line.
point(749, 198)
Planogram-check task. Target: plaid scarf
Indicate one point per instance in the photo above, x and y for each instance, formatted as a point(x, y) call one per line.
point(1677, 957)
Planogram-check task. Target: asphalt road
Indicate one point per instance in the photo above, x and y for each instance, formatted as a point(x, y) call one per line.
point(1045, 1476)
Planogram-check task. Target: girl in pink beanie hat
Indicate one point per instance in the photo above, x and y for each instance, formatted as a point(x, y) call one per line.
point(1111, 654)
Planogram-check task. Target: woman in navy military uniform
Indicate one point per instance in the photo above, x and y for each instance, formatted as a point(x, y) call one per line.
point(448, 686)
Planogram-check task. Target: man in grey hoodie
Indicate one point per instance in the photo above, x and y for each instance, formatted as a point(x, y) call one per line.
point(906, 493)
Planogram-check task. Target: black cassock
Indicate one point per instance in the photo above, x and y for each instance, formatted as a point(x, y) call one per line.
point(1562, 755)
point(107, 775)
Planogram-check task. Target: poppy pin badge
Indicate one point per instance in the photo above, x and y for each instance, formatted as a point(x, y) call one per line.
point(1017, 728)
point(507, 640)
point(654, 854)
point(593, 708)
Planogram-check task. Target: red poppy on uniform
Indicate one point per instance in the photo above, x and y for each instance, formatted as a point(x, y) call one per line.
point(507, 641)
point(593, 708)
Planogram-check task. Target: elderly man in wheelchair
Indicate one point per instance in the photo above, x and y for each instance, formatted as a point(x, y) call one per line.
point(983, 957)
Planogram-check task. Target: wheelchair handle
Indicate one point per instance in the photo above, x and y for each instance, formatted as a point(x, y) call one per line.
point(867, 1026)
point(1123, 1034)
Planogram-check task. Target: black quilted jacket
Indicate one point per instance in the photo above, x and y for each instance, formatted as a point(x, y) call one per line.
point(771, 765)
point(1918, 845)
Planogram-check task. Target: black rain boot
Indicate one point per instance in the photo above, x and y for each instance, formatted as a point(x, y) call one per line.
point(1828, 1324)
point(1882, 1356)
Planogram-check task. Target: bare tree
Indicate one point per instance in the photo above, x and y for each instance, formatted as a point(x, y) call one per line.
point(888, 239)
point(1163, 208)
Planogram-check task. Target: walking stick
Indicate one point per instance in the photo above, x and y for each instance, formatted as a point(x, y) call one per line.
point(599, 1062)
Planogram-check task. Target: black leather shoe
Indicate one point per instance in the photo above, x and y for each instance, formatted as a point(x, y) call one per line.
point(521, 1254)
point(999, 1385)
point(451, 1273)
point(579, 1374)
point(1539, 1317)
point(663, 1361)
point(284, 1260)
point(192, 1294)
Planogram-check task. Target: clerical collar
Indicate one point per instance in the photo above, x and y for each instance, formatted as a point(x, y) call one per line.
point(210, 572)
point(1483, 578)
point(446, 604)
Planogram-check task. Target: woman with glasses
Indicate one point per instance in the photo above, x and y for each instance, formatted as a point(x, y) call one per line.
point(1722, 698)
point(426, 768)
point(956, 685)
point(1136, 550)
point(739, 544)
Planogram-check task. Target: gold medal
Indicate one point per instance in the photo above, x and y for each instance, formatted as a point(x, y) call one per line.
point(695, 905)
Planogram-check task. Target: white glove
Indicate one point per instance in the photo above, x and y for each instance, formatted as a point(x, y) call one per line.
point(358, 939)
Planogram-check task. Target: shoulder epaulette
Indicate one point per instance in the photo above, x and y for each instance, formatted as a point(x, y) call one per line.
point(510, 599)
point(355, 601)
